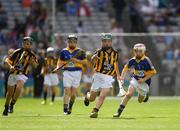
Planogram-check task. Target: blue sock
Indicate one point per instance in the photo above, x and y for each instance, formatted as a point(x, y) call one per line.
point(121, 107)
point(65, 107)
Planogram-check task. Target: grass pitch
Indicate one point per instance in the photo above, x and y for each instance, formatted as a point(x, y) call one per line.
point(157, 114)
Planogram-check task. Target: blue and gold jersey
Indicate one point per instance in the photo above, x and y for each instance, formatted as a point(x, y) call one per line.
point(66, 54)
point(141, 67)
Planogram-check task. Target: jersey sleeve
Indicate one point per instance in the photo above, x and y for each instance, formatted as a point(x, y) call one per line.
point(33, 55)
point(130, 63)
point(116, 57)
point(97, 52)
point(150, 68)
point(13, 56)
point(149, 65)
point(62, 56)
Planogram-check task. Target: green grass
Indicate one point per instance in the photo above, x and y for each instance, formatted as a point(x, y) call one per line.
point(157, 114)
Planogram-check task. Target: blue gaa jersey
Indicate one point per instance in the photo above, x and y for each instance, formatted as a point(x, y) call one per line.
point(66, 54)
point(141, 67)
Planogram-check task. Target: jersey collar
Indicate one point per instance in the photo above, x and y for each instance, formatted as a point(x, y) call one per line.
point(71, 51)
point(142, 58)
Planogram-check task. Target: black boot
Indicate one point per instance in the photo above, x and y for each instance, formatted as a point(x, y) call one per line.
point(86, 101)
point(147, 98)
point(94, 113)
point(6, 109)
point(117, 114)
point(11, 107)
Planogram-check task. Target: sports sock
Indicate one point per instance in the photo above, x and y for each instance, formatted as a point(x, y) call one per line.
point(45, 95)
point(71, 104)
point(95, 110)
point(6, 107)
point(65, 107)
point(121, 108)
point(53, 97)
point(12, 103)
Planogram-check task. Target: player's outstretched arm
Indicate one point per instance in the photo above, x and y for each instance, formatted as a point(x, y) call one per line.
point(117, 72)
point(83, 62)
point(122, 92)
point(124, 71)
point(57, 67)
point(60, 64)
point(34, 62)
point(9, 63)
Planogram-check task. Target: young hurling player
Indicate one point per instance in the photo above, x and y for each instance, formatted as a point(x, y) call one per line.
point(51, 80)
point(73, 59)
point(141, 78)
point(18, 63)
point(106, 66)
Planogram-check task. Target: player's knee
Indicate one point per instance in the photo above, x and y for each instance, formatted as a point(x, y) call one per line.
point(91, 99)
point(20, 84)
point(18, 87)
point(45, 89)
point(102, 97)
point(66, 94)
point(73, 96)
point(128, 95)
point(54, 92)
point(9, 93)
point(66, 91)
point(140, 100)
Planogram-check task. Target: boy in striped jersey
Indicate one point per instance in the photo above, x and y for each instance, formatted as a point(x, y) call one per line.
point(18, 63)
point(105, 66)
point(51, 80)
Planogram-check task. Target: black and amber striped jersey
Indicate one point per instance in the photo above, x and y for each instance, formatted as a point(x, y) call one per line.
point(106, 62)
point(21, 59)
point(49, 64)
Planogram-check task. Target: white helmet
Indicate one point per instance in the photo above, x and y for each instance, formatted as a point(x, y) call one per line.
point(140, 46)
point(72, 36)
point(50, 49)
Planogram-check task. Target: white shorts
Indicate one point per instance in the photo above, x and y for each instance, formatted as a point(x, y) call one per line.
point(71, 78)
point(51, 80)
point(101, 81)
point(87, 79)
point(142, 89)
point(12, 79)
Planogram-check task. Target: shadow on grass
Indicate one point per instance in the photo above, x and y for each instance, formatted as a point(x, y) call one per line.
point(103, 117)
point(35, 115)
point(154, 117)
point(125, 118)
point(75, 116)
